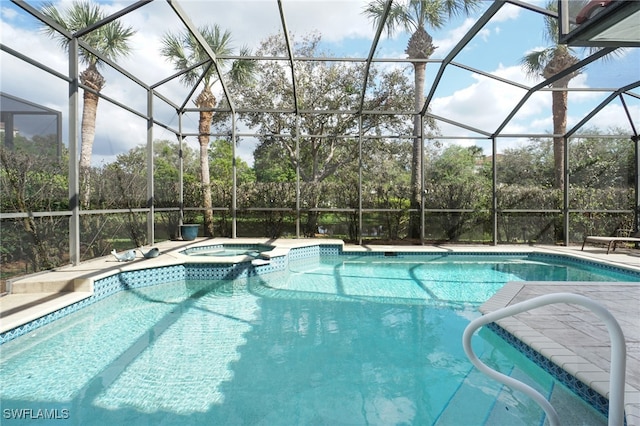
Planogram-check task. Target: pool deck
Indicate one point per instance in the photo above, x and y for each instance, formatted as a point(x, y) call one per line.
point(568, 335)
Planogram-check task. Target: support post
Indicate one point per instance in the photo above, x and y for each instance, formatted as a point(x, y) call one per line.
point(234, 178)
point(150, 168)
point(359, 179)
point(180, 170)
point(494, 189)
point(422, 187)
point(74, 167)
point(297, 176)
point(565, 189)
point(636, 184)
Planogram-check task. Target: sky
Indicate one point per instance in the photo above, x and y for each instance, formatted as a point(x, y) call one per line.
point(461, 96)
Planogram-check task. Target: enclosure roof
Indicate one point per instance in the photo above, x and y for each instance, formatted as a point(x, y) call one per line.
point(483, 59)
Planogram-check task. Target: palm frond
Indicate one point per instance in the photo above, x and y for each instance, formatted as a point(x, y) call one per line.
point(534, 62)
point(176, 49)
point(184, 50)
point(395, 19)
point(429, 13)
point(115, 40)
point(551, 31)
point(435, 13)
point(111, 40)
point(243, 70)
point(460, 7)
point(48, 9)
point(412, 15)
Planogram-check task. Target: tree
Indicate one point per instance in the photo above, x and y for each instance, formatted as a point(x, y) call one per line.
point(322, 148)
point(530, 164)
point(184, 51)
point(221, 157)
point(602, 162)
point(456, 182)
point(271, 162)
point(386, 179)
point(32, 182)
point(549, 62)
point(414, 16)
point(111, 41)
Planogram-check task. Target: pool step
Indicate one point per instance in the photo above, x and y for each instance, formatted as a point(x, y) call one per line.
point(510, 404)
point(469, 404)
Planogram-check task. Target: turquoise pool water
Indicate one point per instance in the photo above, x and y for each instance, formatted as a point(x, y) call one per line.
point(341, 341)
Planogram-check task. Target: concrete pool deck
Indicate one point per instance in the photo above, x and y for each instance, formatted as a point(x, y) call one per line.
point(569, 336)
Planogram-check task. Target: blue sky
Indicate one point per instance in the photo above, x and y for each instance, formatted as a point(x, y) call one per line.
point(462, 96)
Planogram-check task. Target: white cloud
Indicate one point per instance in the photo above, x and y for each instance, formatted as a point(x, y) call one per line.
point(508, 12)
point(486, 103)
point(611, 116)
point(453, 37)
point(8, 14)
point(336, 20)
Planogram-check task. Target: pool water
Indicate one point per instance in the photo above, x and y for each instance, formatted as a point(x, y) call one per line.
point(336, 342)
point(227, 250)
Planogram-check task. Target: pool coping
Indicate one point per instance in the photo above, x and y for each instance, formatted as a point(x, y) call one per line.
point(67, 286)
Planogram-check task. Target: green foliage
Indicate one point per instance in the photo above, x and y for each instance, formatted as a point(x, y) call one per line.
point(111, 40)
point(321, 86)
point(33, 183)
point(594, 162)
point(454, 181)
point(221, 159)
point(530, 164)
point(601, 162)
point(272, 163)
point(321, 152)
point(458, 199)
point(278, 200)
point(184, 51)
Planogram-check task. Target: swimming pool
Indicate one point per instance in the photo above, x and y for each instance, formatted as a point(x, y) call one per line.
point(334, 340)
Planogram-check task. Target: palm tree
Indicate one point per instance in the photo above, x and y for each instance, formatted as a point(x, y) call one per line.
point(111, 41)
point(183, 51)
point(549, 62)
point(414, 16)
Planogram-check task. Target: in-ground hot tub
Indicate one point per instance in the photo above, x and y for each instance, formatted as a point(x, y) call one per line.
point(229, 250)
